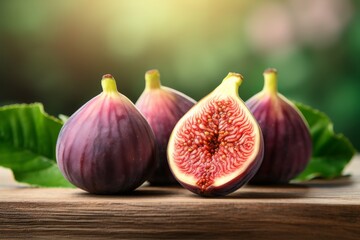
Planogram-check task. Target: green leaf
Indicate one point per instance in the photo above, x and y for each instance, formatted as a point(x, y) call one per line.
point(331, 151)
point(27, 145)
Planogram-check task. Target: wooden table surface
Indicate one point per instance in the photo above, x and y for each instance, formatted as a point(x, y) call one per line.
point(315, 210)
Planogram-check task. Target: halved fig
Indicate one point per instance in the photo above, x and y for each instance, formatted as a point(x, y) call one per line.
point(217, 146)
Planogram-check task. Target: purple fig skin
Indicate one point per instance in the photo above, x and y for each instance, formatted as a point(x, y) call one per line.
point(162, 107)
point(287, 137)
point(107, 146)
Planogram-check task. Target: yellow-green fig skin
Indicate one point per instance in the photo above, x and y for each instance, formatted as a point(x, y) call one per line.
point(107, 146)
point(287, 138)
point(162, 107)
point(217, 146)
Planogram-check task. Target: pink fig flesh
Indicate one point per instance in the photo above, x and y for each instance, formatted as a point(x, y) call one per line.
point(217, 146)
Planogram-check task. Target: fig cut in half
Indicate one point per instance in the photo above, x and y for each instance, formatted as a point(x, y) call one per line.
point(217, 146)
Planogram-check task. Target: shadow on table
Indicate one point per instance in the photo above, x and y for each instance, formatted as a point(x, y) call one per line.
point(285, 191)
point(143, 191)
point(271, 191)
point(342, 181)
point(290, 190)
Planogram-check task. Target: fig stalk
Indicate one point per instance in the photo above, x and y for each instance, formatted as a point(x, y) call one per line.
point(152, 80)
point(108, 84)
point(270, 81)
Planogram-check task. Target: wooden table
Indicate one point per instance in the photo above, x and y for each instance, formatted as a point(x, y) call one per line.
point(316, 210)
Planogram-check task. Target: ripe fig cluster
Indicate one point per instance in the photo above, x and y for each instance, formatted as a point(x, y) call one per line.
point(212, 147)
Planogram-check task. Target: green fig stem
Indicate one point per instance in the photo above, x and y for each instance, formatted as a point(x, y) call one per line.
point(108, 84)
point(270, 81)
point(152, 79)
point(231, 84)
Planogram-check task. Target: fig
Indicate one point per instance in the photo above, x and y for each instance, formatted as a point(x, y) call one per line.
point(107, 146)
point(217, 146)
point(286, 134)
point(162, 108)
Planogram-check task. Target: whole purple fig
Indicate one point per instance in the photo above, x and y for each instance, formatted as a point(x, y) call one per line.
point(286, 134)
point(162, 108)
point(107, 146)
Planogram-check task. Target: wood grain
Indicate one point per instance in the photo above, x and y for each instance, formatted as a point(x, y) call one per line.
point(316, 210)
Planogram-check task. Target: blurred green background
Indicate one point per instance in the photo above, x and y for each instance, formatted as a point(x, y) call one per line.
point(55, 52)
